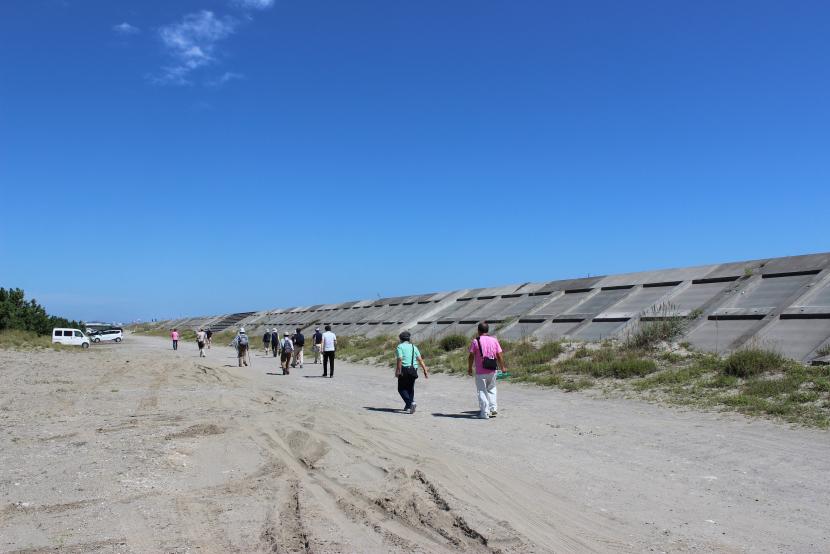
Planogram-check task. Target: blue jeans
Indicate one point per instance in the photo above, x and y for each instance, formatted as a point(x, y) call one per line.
point(406, 388)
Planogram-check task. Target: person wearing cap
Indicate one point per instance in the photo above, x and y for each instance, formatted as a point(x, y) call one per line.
point(407, 360)
point(240, 342)
point(287, 347)
point(266, 341)
point(275, 340)
point(201, 339)
point(318, 341)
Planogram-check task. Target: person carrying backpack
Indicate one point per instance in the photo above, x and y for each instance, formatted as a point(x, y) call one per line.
point(240, 342)
point(287, 347)
point(209, 335)
point(266, 341)
point(299, 342)
point(407, 360)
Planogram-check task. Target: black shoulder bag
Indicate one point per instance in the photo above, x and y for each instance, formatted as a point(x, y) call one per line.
point(490, 364)
point(410, 370)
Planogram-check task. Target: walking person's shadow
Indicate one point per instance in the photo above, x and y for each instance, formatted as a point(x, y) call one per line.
point(463, 415)
point(385, 410)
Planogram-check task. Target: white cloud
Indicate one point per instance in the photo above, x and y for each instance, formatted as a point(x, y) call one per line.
point(253, 4)
point(226, 77)
point(126, 29)
point(192, 44)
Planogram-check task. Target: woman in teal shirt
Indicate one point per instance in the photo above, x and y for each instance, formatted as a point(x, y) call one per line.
point(407, 360)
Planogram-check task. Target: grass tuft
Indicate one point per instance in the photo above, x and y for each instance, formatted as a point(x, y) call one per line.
point(752, 361)
point(453, 342)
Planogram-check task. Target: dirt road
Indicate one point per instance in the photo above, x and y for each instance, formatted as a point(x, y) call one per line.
point(137, 448)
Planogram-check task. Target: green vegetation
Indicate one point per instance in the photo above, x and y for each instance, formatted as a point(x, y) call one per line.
point(25, 340)
point(25, 324)
point(659, 325)
point(751, 362)
point(18, 313)
point(453, 342)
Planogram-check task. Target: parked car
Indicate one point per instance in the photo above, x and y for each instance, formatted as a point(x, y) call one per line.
point(108, 334)
point(72, 337)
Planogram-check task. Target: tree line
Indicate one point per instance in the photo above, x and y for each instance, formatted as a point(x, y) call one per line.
point(18, 313)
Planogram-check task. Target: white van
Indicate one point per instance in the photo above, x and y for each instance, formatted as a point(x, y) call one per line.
point(72, 337)
point(107, 334)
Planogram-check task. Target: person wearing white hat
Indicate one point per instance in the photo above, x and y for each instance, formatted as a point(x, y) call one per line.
point(317, 345)
point(240, 342)
point(275, 341)
point(287, 347)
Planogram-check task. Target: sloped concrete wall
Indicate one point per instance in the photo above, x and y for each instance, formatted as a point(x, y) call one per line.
point(783, 303)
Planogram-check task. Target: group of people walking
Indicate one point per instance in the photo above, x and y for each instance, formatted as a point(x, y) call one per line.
point(485, 358)
point(203, 339)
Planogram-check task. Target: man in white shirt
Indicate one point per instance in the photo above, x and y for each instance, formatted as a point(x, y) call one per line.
point(329, 346)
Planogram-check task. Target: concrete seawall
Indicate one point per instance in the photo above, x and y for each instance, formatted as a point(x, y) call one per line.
point(780, 303)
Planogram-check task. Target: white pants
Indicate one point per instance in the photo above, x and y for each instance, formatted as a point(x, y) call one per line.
point(298, 356)
point(486, 386)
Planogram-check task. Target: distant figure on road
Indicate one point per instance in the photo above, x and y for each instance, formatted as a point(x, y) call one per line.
point(407, 358)
point(240, 342)
point(275, 341)
point(287, 347)
point(299, 343)
point(318, 345)
point(329, 345)
point(209, 335)
point(201, 339)
point(486, 354)
point(174, 334)
point(266, 341)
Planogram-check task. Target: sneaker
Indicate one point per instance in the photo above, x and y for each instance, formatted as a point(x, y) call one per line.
point(494, 413)
point(412, 408)
point(485, 415)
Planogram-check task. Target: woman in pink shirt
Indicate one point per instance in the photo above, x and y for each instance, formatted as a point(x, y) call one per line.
point(175, 336)
point(486, 354)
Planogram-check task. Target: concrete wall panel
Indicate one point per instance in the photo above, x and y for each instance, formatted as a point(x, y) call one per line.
point(795, 338)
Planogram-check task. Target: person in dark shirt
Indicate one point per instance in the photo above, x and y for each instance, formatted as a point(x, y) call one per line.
point(299, 342)
point(275, 341)
point(317, 346)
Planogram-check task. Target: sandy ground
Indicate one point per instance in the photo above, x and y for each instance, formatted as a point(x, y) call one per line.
point(136, 448)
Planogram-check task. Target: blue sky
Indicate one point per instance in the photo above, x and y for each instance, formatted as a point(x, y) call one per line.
point(167, 158)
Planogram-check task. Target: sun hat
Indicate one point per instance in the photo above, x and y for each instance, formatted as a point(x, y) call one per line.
point(241, 329)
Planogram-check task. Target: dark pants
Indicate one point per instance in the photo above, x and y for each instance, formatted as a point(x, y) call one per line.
point(328, 358)
point(406, 388)
point(175, 345)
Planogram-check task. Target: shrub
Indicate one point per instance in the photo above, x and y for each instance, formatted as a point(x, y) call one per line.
point(752, 361)
point(453, 342)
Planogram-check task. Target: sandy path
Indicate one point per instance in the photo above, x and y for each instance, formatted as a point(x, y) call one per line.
point(136, 448)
